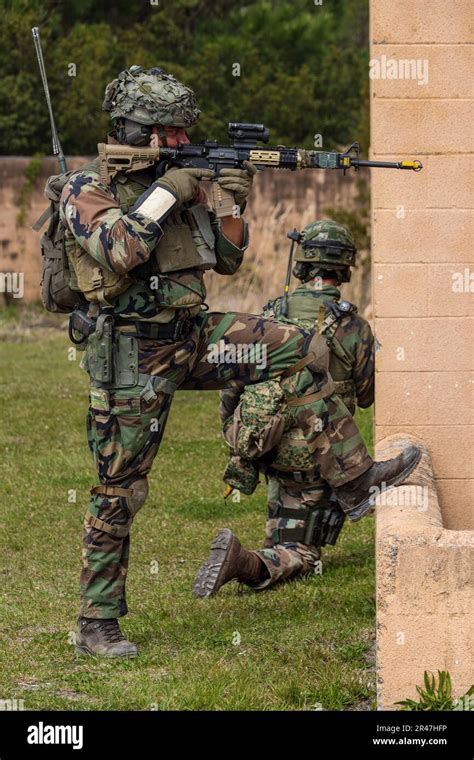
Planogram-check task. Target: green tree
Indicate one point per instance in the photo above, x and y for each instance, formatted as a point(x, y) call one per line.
point(303, 68)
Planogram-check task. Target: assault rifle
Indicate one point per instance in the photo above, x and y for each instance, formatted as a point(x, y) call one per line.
point(213, 155)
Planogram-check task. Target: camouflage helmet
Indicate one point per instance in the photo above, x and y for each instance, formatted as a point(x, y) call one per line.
point(327, 245)
point(150, 96)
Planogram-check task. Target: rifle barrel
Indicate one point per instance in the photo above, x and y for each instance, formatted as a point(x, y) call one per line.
point(416, 166)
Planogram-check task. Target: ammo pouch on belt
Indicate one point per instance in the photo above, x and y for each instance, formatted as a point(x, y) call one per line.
point(322, 525)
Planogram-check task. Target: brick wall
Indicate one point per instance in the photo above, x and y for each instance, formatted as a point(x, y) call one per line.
point(422, 227)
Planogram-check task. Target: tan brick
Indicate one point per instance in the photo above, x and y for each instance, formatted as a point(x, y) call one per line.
point(429, 344)
point(438, 398)
point(423, 235)
point(456, 498)
point(428, 640)
point(451, 397)
point(443, 72)
point(434, 126)
point(422, 21)
point(400, 290)
point(450, 290)
point(401, 399)
point(445, 182)
point(450, 446)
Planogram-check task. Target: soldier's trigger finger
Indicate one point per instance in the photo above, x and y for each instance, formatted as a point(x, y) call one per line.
point(250, 167)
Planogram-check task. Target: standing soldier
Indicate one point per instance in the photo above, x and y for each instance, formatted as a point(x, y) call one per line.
point(139, 247)
point(303, 513)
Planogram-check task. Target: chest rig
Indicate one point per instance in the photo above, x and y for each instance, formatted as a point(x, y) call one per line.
point(188, 243)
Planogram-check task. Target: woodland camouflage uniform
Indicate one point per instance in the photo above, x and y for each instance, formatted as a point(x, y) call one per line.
point(297, 496)
point(305, 510)
point(146, 288)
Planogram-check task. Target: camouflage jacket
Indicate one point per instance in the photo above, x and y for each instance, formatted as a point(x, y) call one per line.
point(98, 220)
point(256, 422)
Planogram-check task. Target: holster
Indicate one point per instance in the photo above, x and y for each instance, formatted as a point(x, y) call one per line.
point(99, 350)
point(322, 525)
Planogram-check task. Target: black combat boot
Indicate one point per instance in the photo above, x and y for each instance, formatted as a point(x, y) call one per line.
point(103, 637)
point(227, 561)
point(357, 498)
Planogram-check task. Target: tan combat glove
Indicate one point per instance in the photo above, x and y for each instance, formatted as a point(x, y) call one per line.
point(238, 181)
point(184, 183)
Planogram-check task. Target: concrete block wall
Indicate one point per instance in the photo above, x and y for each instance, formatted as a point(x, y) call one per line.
point(422, 227)
point(425, 594)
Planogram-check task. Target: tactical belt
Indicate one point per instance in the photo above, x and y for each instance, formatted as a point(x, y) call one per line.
point(175, 330)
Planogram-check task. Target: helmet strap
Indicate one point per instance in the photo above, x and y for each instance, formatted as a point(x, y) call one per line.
point(162, 135)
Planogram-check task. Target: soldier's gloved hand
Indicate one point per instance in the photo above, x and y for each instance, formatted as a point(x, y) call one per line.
point(238, 181)
point(183, 183)
point(177, 186)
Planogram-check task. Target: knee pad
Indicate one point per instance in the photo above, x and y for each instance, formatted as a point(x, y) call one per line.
point(137, 497)
point(131, 496)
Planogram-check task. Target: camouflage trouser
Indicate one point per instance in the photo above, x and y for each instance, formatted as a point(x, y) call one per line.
point(287, 560)
point(125, 428)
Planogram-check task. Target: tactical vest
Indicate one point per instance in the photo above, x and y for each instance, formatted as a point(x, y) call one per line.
point(292, 454)
point(302, 313)
point(187, 243)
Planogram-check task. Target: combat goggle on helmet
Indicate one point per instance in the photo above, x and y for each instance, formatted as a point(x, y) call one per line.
point(141, 98)
point(325, 245)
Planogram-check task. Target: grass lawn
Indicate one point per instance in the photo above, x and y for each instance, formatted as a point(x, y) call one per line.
point(303, 645)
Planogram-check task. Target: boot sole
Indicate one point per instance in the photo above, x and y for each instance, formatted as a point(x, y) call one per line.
point(86, 650)
point(366, 506)
point(208, 575)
